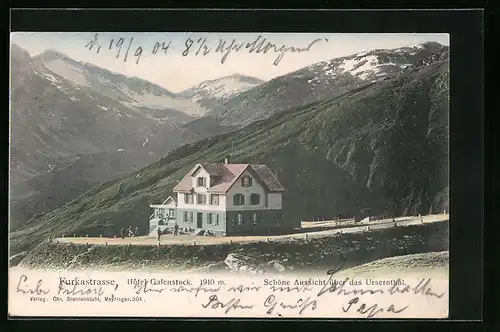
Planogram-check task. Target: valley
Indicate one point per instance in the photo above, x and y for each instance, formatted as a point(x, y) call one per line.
point(359, 146)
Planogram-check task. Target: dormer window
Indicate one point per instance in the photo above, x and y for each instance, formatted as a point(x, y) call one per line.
point(246, 181)
point(202, 182)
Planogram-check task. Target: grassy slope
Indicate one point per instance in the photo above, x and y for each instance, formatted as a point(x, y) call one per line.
point(381, 149)
point(317, 253)
point(420, 261)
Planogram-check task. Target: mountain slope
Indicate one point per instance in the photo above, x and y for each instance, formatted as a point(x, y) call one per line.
point(213, 93)
point(324, 80)
point(56, 122)
point(43, 193)
point(131, 92)
point(382, 149)
point(53, 119)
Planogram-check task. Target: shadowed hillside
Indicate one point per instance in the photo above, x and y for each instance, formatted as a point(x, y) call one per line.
point(381, 149)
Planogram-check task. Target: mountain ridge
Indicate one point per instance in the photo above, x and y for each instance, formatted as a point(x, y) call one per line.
point(380, 149)
point(53, 121)
point(322, 80)
point(211, 93)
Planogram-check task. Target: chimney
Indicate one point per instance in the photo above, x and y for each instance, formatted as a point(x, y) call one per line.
point(226, 160)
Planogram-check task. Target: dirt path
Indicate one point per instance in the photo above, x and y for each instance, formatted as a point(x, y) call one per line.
point(210, 240)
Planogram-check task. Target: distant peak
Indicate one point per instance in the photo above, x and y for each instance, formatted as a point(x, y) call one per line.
point(426, 45)
point(431, 43)
point(241, 76)
point(14, 48)
point(51, 54)
point(237, 76)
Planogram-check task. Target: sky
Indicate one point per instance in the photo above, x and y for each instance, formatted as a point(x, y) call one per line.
point(176, 72)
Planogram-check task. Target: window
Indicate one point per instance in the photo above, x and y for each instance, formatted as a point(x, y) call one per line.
point(202, 182)
point(188, 216)
point(201, 199)
point(213, 219)
point(246, 181)
point(238, 199)
point(239, 218)
point(255, 199)
point(254, 218)
point(214, 199)
point(171, 213)
point(188, 198)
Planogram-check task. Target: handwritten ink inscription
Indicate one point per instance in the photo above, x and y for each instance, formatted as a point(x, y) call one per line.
point(125, 47)
point(372, 310)
point(270, 297)
point(25, 287)
point(117, 46)
point(234, 303)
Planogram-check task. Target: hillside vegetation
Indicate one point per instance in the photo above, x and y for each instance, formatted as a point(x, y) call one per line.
point(380, 149)
point(294, 255)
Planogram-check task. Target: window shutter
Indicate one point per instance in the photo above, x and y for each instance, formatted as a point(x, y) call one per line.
point(250, 181)
point(242, 200)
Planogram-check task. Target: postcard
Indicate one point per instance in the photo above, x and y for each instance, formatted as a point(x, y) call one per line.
point(251, 175)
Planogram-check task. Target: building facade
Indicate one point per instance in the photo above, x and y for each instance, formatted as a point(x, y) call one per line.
point(224, 199)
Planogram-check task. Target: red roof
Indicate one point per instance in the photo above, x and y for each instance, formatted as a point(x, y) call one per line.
point(226, 175)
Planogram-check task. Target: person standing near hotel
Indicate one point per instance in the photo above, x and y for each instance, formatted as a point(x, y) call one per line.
point(159, 233)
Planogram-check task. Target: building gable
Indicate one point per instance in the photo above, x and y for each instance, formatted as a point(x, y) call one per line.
point(196, 171)
point(224, 176)
point(254, 176)
point(169, 200)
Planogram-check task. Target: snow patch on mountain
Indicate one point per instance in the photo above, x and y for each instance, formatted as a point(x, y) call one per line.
point(159, 102)
point(362, 67)
point(224, 88)
point(134, 93)
point(68, 71)
point(212, 92)
point(49, 77)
